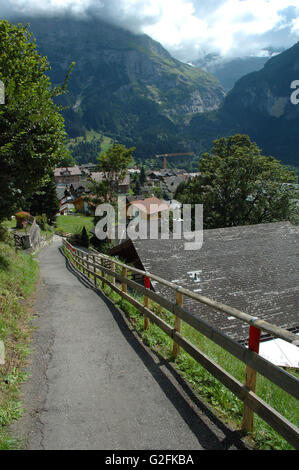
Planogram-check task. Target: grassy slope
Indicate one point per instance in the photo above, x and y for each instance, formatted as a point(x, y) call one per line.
point(18, 277)
point(74, 224)
point(89, 136)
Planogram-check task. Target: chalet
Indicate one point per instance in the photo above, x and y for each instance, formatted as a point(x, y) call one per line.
point(79, 189)
point(70, 175)
point(123, 187)
point(158, 175)
point(149, 208)
point(62, 192)
point(88, 167)
point(84, 206)
point(136, 197)
point(171, 183)
point(252, 268)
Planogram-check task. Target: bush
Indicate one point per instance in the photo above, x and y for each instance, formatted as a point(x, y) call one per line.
point(59, 231)
point(42, 221)
point(6, 236)
point(22, 218)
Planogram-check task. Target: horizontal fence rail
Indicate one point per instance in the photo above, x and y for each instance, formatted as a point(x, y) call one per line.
point(103, 268)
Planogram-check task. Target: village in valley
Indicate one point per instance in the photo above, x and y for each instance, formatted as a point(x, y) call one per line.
point(234, 265)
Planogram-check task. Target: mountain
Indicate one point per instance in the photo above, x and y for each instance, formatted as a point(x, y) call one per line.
point(229, 71)
point(259, 105)
point(125, 86)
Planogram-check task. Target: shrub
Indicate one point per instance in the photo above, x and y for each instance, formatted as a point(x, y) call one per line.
point(6, 236)
point(59, 231)
point(42, 221)
point(22, 218)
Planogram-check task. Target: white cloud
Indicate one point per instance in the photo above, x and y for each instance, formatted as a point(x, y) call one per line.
point(185, 27)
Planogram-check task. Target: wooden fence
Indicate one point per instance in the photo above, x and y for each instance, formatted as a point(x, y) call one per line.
point(109, 271)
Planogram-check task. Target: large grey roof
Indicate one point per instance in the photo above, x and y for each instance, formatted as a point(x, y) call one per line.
point(73, 170)
point(252, 268)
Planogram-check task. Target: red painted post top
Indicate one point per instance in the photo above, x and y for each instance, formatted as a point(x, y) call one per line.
point(147, 282)
point(70, 247)
point(254, 339)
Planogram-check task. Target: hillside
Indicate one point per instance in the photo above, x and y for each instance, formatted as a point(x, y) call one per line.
point(125, 86)
point(229, 71)
point(259, 105)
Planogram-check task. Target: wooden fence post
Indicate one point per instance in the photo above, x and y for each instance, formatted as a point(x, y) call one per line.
point(81, 261)
point(94, 269)
point(88, 266)
point(147, 284)
point(124, 287)
point(254, 343)
point(113, 277)
point(77, 260)
point(102, 273)
point(177, 324)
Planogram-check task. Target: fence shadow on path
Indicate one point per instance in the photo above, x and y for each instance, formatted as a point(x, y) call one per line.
point(216, 436)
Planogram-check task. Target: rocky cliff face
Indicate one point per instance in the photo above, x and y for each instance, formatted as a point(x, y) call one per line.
point(268, 91)
point(229, 70)
point(259, 105)
point(124, 85)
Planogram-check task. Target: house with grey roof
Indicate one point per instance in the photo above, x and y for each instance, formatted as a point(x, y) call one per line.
point(252, 268)
point(123, 186)
point(69, 175)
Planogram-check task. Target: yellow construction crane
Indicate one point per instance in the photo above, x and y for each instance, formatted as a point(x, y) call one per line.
point(165, 155)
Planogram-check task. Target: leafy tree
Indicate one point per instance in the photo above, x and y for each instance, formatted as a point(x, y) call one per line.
point(32, 134)
point(99, 192)
point(240, 186)
point(45, 201)
point(66, 161)
point(158, 192)
point(114, 164)
point(42, 221)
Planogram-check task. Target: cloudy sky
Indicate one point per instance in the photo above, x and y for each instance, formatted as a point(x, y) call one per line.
point(187, 28)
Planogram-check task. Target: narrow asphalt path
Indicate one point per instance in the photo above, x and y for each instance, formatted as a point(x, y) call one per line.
point(95, 386)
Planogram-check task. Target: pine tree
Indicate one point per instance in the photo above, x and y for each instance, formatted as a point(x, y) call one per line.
point(84, 238)
point(142, 176)
point(45, 201)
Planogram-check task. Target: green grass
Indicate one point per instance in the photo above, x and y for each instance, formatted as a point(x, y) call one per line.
point(11, 223)
point(74, 224)
point(91, 135)
point(18, 276)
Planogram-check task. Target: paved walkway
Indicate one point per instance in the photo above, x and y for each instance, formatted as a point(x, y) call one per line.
point(95, 386)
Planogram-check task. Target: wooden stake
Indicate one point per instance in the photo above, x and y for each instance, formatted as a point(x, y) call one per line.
point(95, 269)
point(177, 324)
point(251, 376)
point(147, 284)
point(113, 269)
point(124, 285)
point(102, 273)
point(88, 266)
